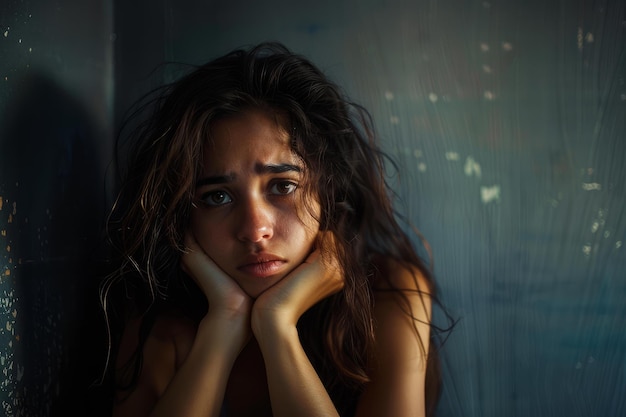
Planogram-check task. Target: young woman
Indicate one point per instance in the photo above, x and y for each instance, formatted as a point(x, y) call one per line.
point(262, 269)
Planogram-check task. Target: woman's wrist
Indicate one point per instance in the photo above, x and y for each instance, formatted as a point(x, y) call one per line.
point(272, 325)
point(227, 328)
point(230, 307)
point(273, 338)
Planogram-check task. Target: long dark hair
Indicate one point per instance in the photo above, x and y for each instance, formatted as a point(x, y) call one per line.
point(346, 171)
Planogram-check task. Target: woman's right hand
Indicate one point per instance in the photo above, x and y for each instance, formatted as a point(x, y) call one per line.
point(226, 298)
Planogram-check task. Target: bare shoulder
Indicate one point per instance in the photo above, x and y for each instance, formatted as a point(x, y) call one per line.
point(165, 348)
point(402, 311)
point(402, 302)
point(176, 329)
point(170, 330)
point(393, 275)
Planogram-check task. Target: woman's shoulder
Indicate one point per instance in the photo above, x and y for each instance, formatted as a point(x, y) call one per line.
point(169, 337)
point(174, 325)
point(401, 318)
point(391, 274)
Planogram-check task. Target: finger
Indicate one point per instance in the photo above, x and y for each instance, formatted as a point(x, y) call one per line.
point(196, 262)
point(313, 257)
point(190, 246)
point(199, 264)
point(191, 243)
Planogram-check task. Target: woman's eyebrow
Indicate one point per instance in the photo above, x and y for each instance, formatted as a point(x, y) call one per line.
point(215, 179)
point(276, 168)
point(259, 169)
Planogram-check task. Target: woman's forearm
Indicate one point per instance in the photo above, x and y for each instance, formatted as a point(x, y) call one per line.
point(199, 385)
point(294, 386)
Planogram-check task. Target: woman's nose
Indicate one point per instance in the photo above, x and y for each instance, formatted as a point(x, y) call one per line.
point(256, 222)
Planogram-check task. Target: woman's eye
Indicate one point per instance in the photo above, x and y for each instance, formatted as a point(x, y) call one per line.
point(283, 187)
point(216, 198)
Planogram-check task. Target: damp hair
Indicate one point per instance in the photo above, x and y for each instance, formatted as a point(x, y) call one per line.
point(345, 169)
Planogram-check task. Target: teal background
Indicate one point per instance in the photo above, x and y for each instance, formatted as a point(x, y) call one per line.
point(507, 119)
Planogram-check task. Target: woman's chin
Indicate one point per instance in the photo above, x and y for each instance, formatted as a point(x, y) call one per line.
point(257, 287)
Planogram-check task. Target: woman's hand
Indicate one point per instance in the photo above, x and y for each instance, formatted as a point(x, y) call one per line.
point(283, 304)
point(226, 298)
point(294, 385)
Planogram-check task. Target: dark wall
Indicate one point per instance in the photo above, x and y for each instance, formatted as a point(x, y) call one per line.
point(507, 119)
point(55, 140)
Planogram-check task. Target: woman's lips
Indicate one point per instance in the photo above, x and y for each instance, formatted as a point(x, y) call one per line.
point(263, 269)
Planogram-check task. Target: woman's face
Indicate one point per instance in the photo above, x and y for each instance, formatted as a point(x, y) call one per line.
point(249, 215)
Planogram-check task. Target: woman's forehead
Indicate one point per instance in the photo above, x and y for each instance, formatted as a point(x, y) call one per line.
point(247, 141)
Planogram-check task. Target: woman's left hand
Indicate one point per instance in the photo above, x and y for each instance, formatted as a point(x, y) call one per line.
point(283, 304)
point(293, 383)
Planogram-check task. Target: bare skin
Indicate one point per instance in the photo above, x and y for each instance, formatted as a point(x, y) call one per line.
point(252, 251)
point(174, 378)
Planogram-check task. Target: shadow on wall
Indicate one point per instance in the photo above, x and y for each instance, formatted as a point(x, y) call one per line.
point(51, 217)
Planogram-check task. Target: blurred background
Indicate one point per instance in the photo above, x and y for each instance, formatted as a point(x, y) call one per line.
point(507, 119)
